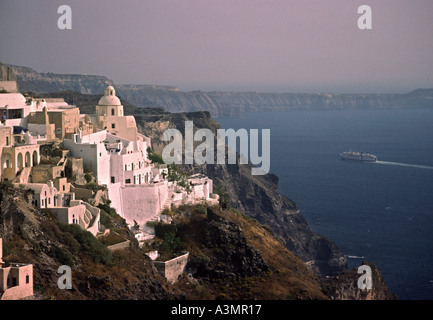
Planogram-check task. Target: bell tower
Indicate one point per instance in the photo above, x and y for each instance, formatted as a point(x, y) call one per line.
point(109, 105)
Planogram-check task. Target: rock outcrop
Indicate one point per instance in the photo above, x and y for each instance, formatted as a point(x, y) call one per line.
point(345, 286)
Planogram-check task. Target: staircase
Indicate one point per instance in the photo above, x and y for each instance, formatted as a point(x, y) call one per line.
point(167, 202)
point(24, 176)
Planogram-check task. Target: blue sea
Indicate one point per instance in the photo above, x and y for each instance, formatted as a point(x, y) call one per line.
point(380, 212)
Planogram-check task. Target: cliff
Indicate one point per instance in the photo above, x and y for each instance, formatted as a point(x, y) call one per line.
point(345, 286)
point(242, 243)
point(227, 104)
point(30, 80)
point(231, 257)
point(256, 196)
point(235, 257)
point(219, 104)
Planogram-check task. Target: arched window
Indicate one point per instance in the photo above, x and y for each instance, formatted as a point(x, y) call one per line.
point(20, 161)
point(27, 160)
point(112, 112)
point(35, 158)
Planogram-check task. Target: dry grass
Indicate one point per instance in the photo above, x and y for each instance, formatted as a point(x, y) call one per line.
point(288, 277)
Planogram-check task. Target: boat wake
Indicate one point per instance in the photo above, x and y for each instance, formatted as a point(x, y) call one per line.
point(403, 164)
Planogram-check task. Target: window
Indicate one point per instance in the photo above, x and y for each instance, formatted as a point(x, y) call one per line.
point(113, 126)
point(126, 167)
point(128, 181)
point(64, 188)
point(49, 200)
point(7, 141)
point(112, 112)
point(27, 279)
point(113, 180)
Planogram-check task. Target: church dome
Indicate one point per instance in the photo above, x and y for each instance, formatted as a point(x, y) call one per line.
point(109, 98)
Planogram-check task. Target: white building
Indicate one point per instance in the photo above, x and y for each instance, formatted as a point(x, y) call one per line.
point(112, 159)
point(117, 156)
point(64, 206)
point(110, 116)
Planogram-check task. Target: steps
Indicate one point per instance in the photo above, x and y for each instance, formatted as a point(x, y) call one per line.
point(167, 203)
point(24, 176)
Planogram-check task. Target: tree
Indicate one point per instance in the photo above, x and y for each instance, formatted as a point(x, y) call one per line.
point(136, 226)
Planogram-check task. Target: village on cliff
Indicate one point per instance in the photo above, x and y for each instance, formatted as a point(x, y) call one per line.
point(43, 141)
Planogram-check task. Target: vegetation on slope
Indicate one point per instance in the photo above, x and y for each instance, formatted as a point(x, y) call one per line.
point(36, 237)
point(234, 257)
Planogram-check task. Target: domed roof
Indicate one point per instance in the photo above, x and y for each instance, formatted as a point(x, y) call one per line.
point(109, 98)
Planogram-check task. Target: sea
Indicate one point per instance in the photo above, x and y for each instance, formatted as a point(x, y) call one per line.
point(380, 212)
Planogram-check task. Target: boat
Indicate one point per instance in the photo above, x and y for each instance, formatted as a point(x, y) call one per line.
point(359, 156)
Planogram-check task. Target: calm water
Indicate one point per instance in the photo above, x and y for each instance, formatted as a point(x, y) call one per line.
point(380, 212)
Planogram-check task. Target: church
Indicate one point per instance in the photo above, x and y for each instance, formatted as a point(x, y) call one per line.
point(116, 153)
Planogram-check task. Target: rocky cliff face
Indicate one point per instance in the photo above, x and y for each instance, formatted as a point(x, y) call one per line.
point(219, 104)
point(234, 257)
point(345, 286)
point(256, 196)
point(31, 81)
point(227, 104)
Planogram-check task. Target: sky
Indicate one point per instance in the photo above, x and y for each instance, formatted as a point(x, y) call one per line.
point(228, 45)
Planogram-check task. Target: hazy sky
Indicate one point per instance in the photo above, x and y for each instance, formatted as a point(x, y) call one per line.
point(241, 45)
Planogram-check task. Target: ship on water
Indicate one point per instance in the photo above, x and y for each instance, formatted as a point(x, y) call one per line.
point(359, 156)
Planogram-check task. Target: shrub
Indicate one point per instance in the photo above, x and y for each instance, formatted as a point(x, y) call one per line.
point(200, 209)
point(201, 259)
point(88, 177)
point(161, 229)
point(151, 224)
point(171, 243)
point(154, 157)
point(106, 207)
point(105, 219)
point(62, 255)
point(89, 244)
point(267, 228)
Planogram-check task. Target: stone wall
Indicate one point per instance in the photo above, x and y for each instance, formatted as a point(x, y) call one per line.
point(82, 193)
point(142, 202)
point(119, 246)
point(173, 268)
